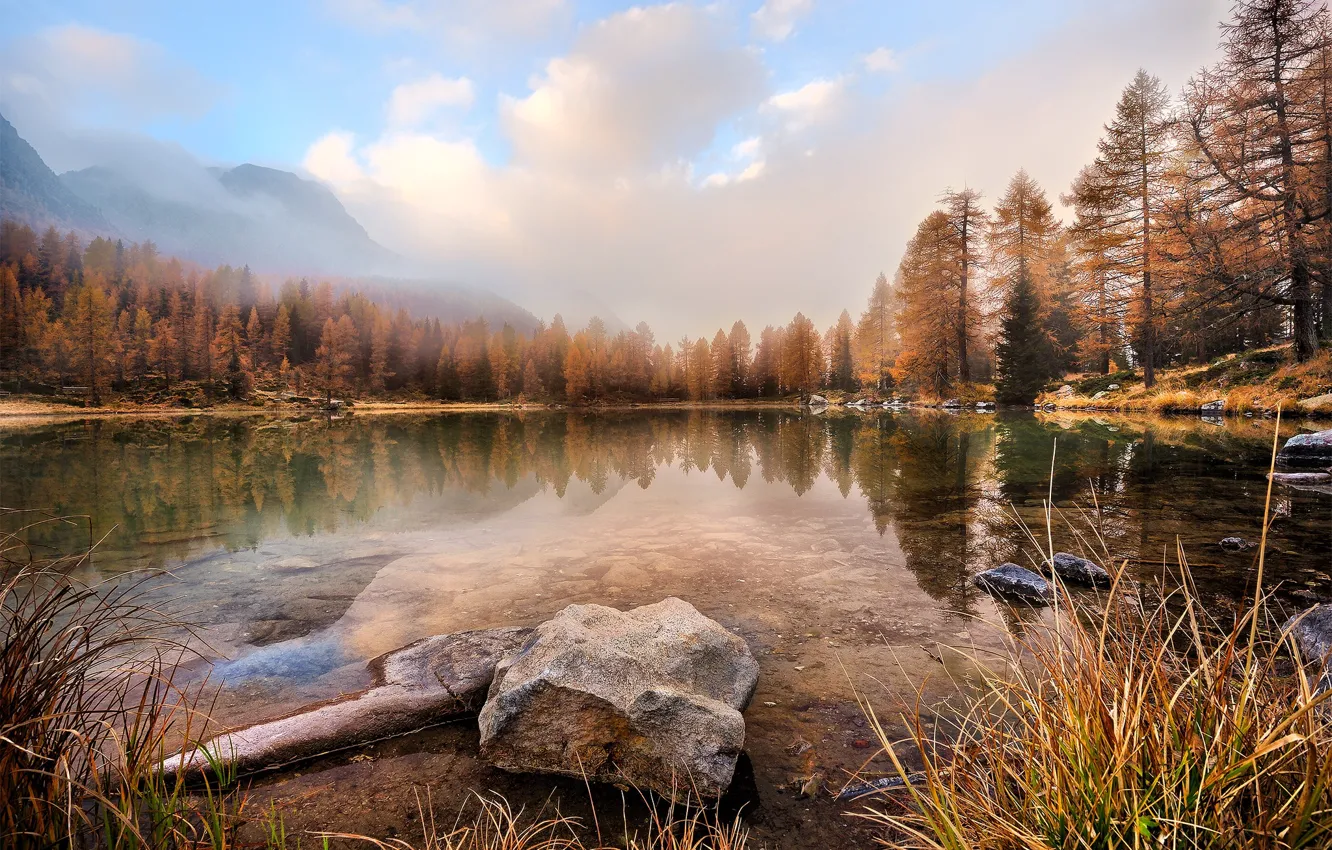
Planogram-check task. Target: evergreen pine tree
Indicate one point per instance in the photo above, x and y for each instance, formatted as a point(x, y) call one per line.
point(1023, 351)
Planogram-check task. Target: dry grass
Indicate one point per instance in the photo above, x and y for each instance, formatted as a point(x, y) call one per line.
point(1123, 723)
point(495, 825)
point(1256, 382)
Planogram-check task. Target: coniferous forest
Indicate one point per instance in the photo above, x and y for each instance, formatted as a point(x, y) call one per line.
point(1201, 228)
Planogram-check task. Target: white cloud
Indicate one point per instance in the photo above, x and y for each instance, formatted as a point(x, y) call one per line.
point(640, 88)
point(812, 103)
point(118, 77)
point(882, 61)
point(598, 196)
point(775, 20)
point(748, 149)
point(412, 103)
point(330, 159)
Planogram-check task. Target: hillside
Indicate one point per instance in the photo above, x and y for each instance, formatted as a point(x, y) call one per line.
point(32, 193)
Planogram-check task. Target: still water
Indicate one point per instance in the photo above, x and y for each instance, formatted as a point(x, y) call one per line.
point(839, 546)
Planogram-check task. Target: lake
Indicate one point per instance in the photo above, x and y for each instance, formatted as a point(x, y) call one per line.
point(840, 546)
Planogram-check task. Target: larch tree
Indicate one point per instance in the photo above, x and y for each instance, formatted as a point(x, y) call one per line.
point(1134, 156)
point(741, 354)
point(968, 221)
point(91, 329)
point(802, 356)
point(381, 335)
point(876, 342)
point(228, 350)
point(1098, 243)
point(280, 344)
point(723, 362)
point(1260, 148)
point(254, 340)
point(841, 359)
point(334, 358)
point(928, 312)
point(700, 377)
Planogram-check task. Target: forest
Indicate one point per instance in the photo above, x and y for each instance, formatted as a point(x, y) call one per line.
point(1201, 228)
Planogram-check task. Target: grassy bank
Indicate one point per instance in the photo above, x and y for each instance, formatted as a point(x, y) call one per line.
point(1254, 382)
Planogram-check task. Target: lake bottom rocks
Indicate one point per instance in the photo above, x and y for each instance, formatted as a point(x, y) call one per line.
point(649, 697)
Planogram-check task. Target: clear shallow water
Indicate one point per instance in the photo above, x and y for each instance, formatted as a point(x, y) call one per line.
point(840, 546)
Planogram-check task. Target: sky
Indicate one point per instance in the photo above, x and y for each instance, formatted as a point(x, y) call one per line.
point(685, 163)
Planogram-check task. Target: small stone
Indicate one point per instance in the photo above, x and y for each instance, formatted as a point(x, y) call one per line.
point(861, 744)
point(1236, 544)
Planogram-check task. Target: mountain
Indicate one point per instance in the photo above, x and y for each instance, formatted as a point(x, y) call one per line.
point(30, 192)
point(269, 219)
point(447, 302)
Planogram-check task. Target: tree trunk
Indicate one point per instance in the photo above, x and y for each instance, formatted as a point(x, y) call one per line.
point(963, 367)
point(1148, 317)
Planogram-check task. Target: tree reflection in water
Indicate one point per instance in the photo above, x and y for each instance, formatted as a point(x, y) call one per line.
point(946, 484)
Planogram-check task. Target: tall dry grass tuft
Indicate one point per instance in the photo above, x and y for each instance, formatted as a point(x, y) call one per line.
point(496, 825)
point(88, 708)
point(1125, 723)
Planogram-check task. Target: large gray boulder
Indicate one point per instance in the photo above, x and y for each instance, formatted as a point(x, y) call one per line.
point(1015, 582)
point(1310, 451)
point(649, 697)
point(428, 682)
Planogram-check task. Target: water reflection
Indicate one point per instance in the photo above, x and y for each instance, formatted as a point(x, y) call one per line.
point(164, 491)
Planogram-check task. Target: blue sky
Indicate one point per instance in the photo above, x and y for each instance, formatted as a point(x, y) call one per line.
point(739, 158)
point(279, 74)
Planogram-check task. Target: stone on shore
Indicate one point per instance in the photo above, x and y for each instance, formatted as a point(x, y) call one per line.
point(424, 683)
point(1015, 582)
point(818, 401)
point(1307, 451)
point(1076, 570)
point(649, 697)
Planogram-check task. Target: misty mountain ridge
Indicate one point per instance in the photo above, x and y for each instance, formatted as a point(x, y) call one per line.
point(269, 219)
point(273, 221)
point(32, 193)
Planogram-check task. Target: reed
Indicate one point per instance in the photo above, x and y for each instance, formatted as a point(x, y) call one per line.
point(1132, 719)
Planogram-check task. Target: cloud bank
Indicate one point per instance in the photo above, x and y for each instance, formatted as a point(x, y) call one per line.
point(602, 194)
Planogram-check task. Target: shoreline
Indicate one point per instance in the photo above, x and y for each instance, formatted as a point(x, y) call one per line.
point(19, 413)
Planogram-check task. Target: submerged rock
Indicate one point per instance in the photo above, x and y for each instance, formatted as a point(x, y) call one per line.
point(1236, 544)
point(1319, 482)
point(1307, 450)
point(1077, 570)
point(649, 697)
point(1015, 582)
point(424, 683)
